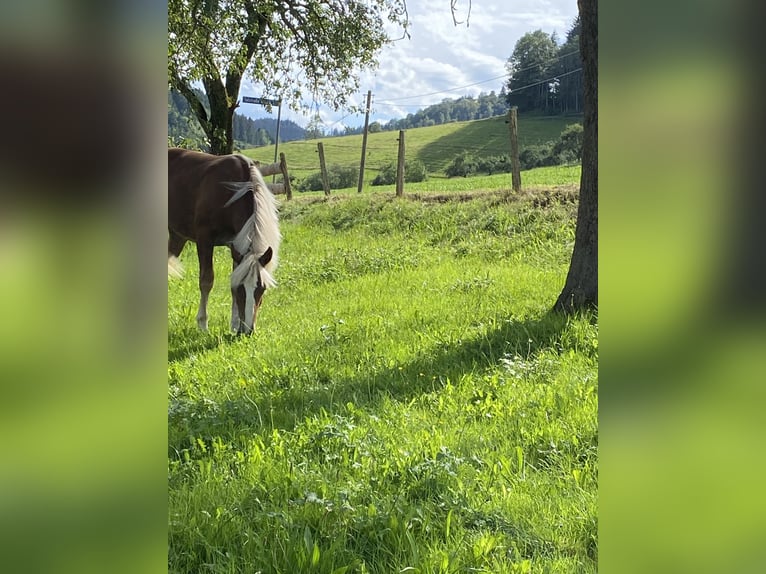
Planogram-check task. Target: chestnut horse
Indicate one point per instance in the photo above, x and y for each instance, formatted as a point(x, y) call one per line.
point(223, 200)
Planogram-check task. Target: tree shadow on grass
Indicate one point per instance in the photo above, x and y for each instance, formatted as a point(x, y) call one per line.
point(489, 137)
point(483, 137)
point(190, 341)
point(428, 372)
point(513, 338)
point(285, 408)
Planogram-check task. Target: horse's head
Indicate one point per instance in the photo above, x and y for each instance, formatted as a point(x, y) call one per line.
point(255, 248)
point(249, 282)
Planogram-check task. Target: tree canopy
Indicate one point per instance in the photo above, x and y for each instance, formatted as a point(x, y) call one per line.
point(545, 76)
point(314, 47)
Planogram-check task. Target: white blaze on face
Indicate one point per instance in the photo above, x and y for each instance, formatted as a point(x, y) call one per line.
point(251, 282)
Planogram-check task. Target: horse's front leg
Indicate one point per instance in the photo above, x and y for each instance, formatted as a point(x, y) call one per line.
point(237, 296)
point(206, 276)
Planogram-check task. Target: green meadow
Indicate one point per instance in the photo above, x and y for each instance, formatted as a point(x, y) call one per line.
point(408, 402)
point(435, 146)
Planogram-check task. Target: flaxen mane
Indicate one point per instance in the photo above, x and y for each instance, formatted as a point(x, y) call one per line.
point(259, 232)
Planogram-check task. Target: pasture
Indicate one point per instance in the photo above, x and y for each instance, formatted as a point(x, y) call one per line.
point(435, 146)
point(407, 403)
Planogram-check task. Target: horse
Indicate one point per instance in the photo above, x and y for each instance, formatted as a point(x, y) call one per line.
point(224, 201)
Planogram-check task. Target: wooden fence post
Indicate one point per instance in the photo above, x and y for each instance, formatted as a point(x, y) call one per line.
point(274, 169)
point(515, 166)
point(285, 175)
point(364, 142)
point(400, 166)
point(323, 167)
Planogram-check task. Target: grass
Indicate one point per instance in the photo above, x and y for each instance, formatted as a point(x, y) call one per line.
point(406, 404)
point(435, 146)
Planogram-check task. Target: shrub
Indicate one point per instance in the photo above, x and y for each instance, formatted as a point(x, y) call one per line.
point(568, 148)
point(535, 156)
point(530, 157)
point(414, 171)
point(463, 165)
point(386, 176)
point(339, 177)
point(494, 164)
point(312, 182)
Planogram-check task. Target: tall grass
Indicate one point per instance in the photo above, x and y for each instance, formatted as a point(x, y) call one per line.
point(407, 403)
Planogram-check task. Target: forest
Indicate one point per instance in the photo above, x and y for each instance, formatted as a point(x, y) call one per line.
point(184, 129)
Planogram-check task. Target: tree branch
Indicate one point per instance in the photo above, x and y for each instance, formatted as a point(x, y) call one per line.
point(195, 104)
point(453, 9)
point(256, 28)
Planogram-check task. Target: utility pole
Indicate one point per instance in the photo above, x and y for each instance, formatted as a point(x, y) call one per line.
point(279, 122)
point(263, 102)
point(364, 141)
point(323, 168)
point(515, 166)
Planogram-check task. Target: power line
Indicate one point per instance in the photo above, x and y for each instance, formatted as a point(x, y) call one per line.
point(507, 74)
point(441, 91)
point(424, 104)
point(388, 103)
point(546, 80)
point(514, 90)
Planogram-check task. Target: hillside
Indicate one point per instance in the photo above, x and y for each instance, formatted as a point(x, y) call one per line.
point(435, 146)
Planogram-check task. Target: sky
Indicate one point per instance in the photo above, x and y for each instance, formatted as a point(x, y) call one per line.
point(439, 60)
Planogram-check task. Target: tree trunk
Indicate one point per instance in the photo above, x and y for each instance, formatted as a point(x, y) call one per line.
point(581, 287)
point(218, 125)
point(221, 117)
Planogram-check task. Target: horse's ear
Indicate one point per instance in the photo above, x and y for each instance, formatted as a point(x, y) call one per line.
point(266, 257)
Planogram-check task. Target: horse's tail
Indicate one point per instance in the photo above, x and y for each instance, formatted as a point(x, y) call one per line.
point(175, 269)
point(258, 234)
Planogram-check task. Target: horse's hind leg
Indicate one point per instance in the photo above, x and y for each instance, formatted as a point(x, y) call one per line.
point(175, 244)
point(206, 276)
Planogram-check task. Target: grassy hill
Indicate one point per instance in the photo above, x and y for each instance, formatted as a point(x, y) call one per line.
point(435, 146)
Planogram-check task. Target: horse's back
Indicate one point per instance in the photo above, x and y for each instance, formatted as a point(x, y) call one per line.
point(197, 164)
point(194, 173)
point(194, 187)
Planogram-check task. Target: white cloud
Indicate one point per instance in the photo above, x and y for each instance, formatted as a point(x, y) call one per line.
point(440, 56)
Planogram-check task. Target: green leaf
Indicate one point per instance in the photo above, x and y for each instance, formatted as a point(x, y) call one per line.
point(308, 540)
